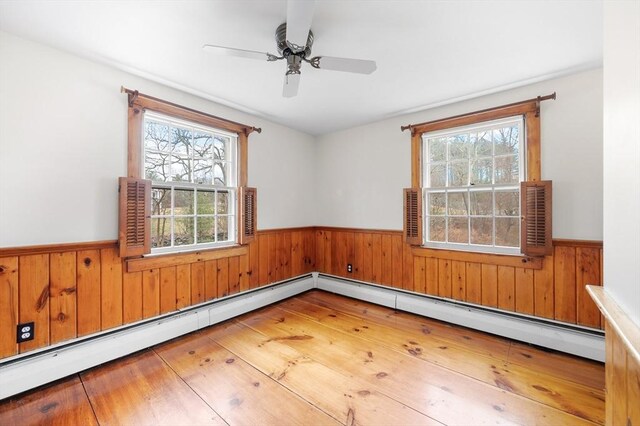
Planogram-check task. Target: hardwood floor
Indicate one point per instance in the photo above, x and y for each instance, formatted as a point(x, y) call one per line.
point(317, 359)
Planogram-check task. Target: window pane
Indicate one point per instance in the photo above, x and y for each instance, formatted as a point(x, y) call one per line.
point(458, 147)
point(223, 202)
point(508, 231)
point(459, 229)
point(507, 169)
point(180, 169)
point(223, 228)
point(458, 203)
point(160, 201)
point(183, 202)
point(437, 229)
point(437, 175)
point(482, 171)
point(459, 173)
point(437, 203)
point(202, 145)
point(183, 231)
point(157, 166)
point(206, 230)
point(181, 140)
point(202, 171)
point(437, 149)
point(220, 148)
point(206, 200)
point(156, 136)
point(481, 230)
point(481, 203)
point(160, 232)
point(219, 174)
point(507, 203)
point(481, 143)
point(506, 140)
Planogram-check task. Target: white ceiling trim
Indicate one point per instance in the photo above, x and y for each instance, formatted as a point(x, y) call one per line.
point(502, 88)
point(429, 53)
point(260, 114)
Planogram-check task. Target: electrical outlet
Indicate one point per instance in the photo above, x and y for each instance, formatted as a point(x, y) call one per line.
point(25, 332)
point(349, 268)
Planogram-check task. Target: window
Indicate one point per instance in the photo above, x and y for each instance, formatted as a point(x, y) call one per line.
point(471, 177)
point(186, 185)
point(194, 189)
point(476, 182)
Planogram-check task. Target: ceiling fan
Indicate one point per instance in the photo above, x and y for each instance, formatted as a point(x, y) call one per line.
point(294, 40)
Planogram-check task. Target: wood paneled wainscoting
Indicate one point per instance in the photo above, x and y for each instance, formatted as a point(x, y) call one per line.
point(622, 365)
point(552, 287)
point(74, 290)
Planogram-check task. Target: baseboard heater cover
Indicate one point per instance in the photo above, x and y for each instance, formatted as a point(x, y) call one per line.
point(550, 335)
point(52, 364)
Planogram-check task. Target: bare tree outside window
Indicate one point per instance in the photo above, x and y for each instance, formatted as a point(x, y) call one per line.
point(471, 180)
point(192, 187)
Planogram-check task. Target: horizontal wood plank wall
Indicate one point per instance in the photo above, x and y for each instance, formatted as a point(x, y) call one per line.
point(83, 289)
point(556, 290)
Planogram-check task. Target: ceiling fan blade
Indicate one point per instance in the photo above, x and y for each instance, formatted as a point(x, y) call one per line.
point(291, 83)
point(240, 53)
point(299, 17)
point(360, 66)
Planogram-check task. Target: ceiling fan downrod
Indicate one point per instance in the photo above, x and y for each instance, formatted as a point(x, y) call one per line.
point(284, 46)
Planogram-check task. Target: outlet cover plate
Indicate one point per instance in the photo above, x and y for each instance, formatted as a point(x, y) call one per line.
point(25, 332)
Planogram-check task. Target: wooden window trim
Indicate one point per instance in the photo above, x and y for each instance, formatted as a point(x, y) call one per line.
point(174, 259)
point(530, 110)
point(517, 261)
point(139, 102)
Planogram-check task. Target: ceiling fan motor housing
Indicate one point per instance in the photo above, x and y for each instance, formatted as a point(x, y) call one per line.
point(283, 47)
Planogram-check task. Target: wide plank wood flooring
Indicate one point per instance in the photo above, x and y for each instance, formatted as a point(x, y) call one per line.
point(323, 359)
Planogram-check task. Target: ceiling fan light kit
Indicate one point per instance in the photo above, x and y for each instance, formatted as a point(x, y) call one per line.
point(295, 49)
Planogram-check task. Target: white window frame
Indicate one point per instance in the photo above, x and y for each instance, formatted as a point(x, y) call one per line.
point(231, 159)
point(493, 187)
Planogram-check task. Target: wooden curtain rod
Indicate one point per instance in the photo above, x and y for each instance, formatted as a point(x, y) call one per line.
point(537, 100)
point(134, 94)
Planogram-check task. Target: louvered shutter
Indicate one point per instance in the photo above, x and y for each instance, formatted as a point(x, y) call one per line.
point(535, 232)
point(413, 216)
point(134, 234)
point(248, 205)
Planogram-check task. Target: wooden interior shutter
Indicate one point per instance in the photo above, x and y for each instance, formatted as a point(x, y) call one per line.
point(413, 216)
point(535, 232)
point(134, 235)
point(248, 205)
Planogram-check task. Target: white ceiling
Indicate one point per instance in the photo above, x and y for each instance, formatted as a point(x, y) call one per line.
point(428, 52)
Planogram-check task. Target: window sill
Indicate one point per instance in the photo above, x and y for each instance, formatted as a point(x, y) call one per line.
point(517, 261)
point(174, 259)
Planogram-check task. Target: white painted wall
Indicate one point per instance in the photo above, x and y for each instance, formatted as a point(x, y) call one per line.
point(63, 143)
point(361, 171)
point(622, 154)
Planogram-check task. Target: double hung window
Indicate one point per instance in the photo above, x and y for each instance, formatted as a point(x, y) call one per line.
point(193, 170)
point(471, 186)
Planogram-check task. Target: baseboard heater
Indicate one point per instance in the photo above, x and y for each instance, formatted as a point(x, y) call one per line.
point(576, 340)
point(23, 372)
